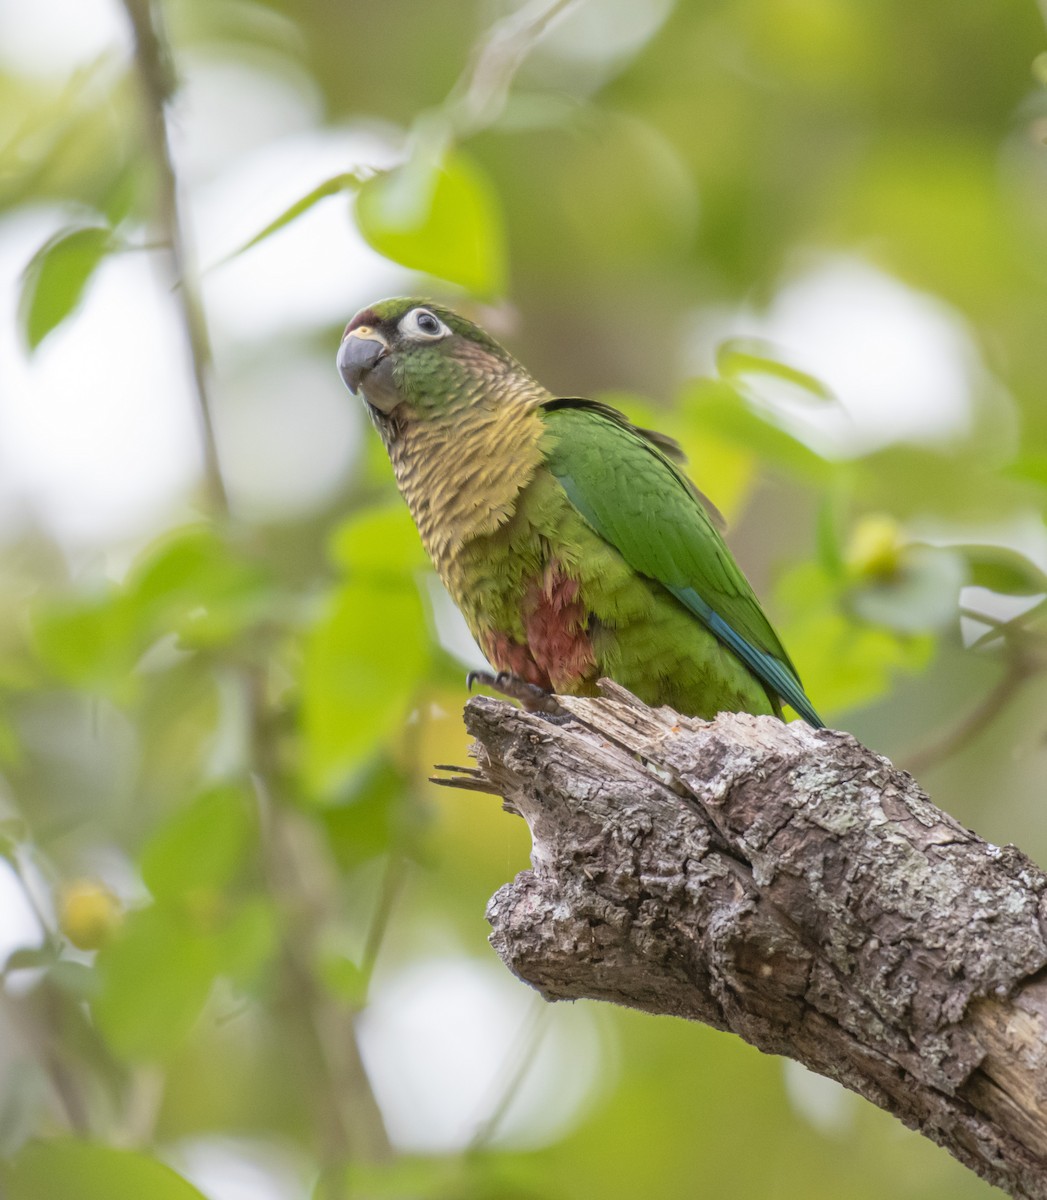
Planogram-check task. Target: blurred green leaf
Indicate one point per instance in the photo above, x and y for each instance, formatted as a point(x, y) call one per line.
point(648, 218)
point(64, 1169)
point(202, 846)
point(1031, 467)
point(191, 583)
point(90, 641)
point(737, 359)
point(716, 407)
point(75, 141)
point(56, 276)
point(347, 181)
point(76, 978)
point(200, 585)
point(472, 1177)
point(363, 825)
point(441, 217)
point(27, 958)
point(843, 662)
point(155, 978)
point(367, 651)
point(343, 978)
point(245, 941)
point(1001, 569)
point(828, 532)
point(363, 660)
point(381, 543)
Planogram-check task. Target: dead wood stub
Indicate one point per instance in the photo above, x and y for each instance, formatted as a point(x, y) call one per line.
point(791, 886)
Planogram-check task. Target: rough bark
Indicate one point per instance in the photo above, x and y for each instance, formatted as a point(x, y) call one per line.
point(793, 887)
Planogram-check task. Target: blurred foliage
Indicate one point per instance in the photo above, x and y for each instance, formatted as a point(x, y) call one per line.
point(214, 761)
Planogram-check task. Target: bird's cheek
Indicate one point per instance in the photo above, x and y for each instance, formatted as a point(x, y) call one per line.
point(379, 386)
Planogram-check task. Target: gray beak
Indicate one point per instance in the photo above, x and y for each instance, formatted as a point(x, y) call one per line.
point(361, 351)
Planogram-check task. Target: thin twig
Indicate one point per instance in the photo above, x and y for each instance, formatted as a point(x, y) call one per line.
point(518, 1061)
point(983, 714)
point(479, 96)
point(155, 71)
point(39, 1025)
point(351, 1121)
point(392, 883)
point(354, 1127)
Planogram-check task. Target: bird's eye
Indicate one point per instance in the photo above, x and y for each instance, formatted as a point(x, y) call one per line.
point(421, 323)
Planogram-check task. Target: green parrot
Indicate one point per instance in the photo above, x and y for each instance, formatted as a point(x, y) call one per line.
point(570, 539)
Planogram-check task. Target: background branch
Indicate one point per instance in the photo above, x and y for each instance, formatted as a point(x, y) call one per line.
point(348, 1121)
point(157, 78)
point(793, 887)
point(479, 96)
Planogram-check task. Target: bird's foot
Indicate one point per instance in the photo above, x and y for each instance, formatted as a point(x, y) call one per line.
point(530, 695)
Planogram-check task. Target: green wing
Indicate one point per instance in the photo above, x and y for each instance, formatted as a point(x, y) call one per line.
point(633, 496)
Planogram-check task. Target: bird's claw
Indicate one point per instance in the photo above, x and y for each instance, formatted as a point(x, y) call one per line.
point(530, 695)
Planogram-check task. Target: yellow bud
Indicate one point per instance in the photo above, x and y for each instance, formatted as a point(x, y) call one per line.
point(874, 549)
point(88, 913)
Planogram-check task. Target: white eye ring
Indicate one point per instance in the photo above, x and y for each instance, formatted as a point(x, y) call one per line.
point(424, 325)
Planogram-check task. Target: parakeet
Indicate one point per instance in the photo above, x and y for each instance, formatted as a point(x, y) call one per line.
point(570, 539)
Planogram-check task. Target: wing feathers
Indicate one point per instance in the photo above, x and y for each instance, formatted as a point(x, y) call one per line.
point(620, 480)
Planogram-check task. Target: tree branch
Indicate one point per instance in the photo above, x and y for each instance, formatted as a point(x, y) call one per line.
point(156, 74)
point(793, 887)
point(479, 96)
point(349, 1121)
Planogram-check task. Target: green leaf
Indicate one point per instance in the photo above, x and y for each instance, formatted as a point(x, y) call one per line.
point(418, 1178)
point(199, 585)
point(827, 534)
point(56, 276)
point(717, 408)
point(380, 542)
point(739, 358)
point(65, 1168)
point(76, 978)
point(343, 979)
point(202, 847)
point(347, 181)
point(246, 940)
point(440, 216)
point(364, 824)
point(845, 665)
point(191, 583)
point(27, 958)
point(90, 641)
point(1001, 569)
point(842, 661)
point(474, 1176)
point(155, 978)
point(1028, 466)
point(363, 661)
point(369, 648)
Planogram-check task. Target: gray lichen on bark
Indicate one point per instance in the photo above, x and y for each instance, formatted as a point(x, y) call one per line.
point(793, 887)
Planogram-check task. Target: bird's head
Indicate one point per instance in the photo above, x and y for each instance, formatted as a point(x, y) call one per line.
point(419, 360)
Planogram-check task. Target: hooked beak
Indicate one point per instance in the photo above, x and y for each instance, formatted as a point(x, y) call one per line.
point(360, 352)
